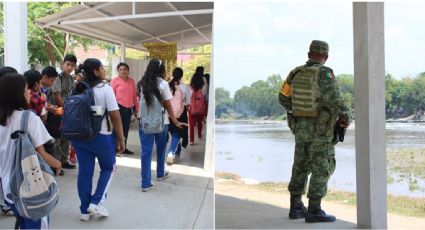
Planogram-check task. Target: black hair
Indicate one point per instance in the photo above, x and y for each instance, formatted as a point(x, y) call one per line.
point(12, 95)
point(199, 70)
point(177, 76)
point(87, 71)
point(32, 77)
point(50, 72)
point(123, 64)
point(197, 81)
point(71, 58)
point(7, 69)
point(78, 69)
point(148, 85)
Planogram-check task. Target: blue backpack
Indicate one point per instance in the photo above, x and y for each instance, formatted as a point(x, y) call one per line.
point(80, 122)
point(33, 188)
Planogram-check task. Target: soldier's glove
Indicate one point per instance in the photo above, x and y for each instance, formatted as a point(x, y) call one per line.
point(339, 131)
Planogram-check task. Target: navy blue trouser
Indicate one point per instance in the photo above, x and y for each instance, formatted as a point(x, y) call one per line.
point(101, 147)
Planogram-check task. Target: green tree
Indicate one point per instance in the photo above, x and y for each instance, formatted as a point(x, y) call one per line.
point(223, 102)
point(260, 99)
point(47, 46)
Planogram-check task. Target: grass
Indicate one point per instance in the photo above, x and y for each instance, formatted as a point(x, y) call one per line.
point(403, 205)
point(407, 161)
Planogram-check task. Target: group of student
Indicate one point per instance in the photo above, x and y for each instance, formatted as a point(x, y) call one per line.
point(160, 106)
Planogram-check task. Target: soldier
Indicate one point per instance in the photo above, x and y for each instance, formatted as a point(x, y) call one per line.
point(311, 98)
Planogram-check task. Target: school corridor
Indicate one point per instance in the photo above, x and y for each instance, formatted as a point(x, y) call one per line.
point(184, 200)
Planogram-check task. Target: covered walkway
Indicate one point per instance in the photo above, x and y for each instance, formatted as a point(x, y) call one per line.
point(184, 200)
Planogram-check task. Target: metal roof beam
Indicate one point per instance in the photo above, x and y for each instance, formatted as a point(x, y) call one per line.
point(128, 25)
point(178, 32)
point(138, 16)
point(88, 9)
point(188, 22)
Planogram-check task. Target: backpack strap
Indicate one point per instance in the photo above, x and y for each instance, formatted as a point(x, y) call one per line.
point(105, 115)
point(24, 121)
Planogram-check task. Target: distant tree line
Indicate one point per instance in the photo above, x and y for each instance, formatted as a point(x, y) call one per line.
point(260, 100)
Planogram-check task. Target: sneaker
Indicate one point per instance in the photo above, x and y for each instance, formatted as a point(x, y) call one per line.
point(97, 210)
point(170, 159)
point(127, 151)
point(6, 210)
point(67, 165)
point(147, 188)
point(166, 174)
point(119, 154)
point(85, 217)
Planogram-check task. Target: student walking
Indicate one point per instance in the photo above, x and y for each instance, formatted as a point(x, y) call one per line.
point(102, 146)
point(197, 109)
point(155, 95)
point(125, 91)
point(179, 102)
point(14, 100)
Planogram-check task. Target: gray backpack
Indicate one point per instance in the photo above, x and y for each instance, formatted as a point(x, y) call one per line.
point(152, 116)
point(33, 187)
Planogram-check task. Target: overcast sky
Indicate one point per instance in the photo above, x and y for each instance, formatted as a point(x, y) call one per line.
point(253, 40)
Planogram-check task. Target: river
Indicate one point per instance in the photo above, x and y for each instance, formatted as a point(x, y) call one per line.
point(263, 151)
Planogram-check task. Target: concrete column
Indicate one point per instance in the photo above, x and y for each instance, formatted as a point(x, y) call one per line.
point(122, 52)
point(15, 35)
point(369, 90)
point(209, 148)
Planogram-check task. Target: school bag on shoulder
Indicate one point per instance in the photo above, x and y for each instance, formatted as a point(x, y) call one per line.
point(80, 122)
point(177, 102)
point(197, 103)
point(33, 187)
point(152, 116)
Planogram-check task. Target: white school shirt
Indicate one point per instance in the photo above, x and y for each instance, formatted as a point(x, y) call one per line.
point(186, 93)
point(104, 96)
point(164, 89)
point(36, 131)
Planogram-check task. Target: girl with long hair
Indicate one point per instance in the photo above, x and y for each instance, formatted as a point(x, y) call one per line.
point(197, 109)
point(102, 147)
point(14, 100)
point(151, 86)
point(180, 102)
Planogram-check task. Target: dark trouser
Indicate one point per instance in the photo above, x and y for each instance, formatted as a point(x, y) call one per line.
point(317, 158)
point(195, 120)
point(24, 223)
point(125, 114)
point(64, 145)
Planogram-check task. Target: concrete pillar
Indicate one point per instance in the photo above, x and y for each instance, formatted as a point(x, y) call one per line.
point(15, 35)
point(209, 148)
point(122, 52)
point(369, 91)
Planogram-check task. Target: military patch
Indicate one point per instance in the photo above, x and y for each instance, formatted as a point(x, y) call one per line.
point(330, 75)
point(285, 89)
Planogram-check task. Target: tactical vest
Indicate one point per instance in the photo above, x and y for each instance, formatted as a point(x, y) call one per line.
point(305, 92)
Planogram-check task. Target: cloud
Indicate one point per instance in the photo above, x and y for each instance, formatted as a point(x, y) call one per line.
point(254, 39)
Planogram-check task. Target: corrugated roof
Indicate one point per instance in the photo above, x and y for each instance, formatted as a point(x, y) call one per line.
point(150, 22)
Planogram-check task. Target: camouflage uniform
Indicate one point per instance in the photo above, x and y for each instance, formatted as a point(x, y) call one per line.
point(314, 148)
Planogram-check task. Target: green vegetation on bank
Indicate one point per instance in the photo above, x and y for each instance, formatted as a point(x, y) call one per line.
point(47, 46)
point(402, 205)
point(260, 100)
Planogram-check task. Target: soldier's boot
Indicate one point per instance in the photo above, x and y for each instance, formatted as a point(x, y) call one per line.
point(316, 214)
point(297, 209)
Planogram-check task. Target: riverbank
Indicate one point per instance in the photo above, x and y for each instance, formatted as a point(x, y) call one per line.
point(399, 205)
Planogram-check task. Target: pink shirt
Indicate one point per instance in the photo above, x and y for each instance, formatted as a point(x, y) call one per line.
point(125, 92)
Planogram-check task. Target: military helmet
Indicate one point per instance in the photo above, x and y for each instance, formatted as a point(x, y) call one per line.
point(319, 47)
